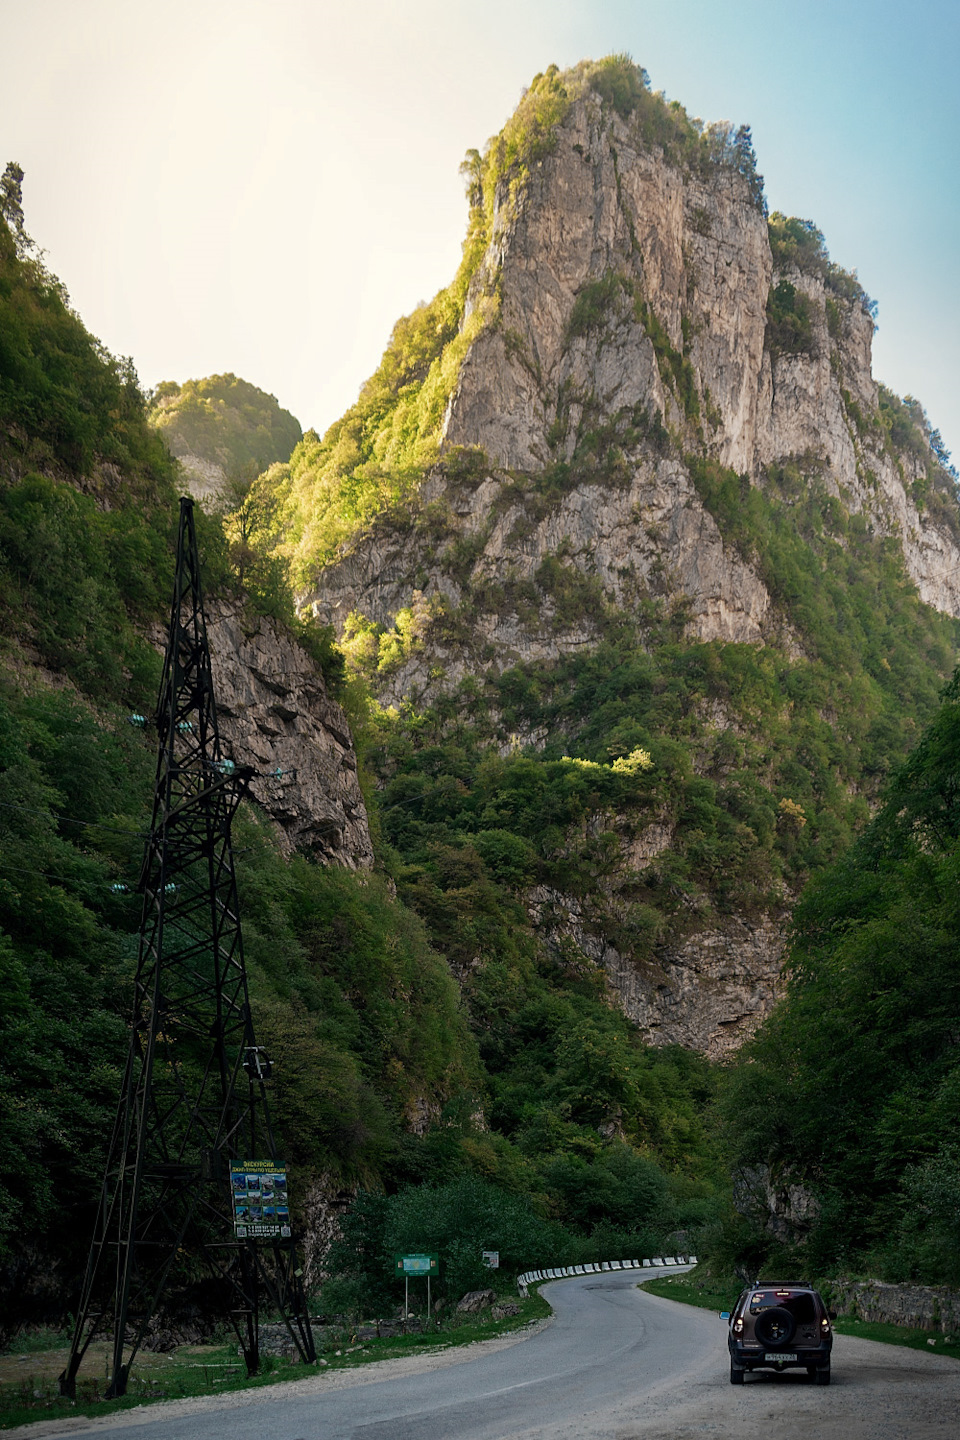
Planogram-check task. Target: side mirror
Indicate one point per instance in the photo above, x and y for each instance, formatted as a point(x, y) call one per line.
point(832, 1314)
point(724, 1314)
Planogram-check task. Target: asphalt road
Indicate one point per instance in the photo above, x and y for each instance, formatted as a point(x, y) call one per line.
point(614, 1364)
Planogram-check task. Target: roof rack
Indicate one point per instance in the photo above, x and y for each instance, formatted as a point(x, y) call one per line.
point(782, 1284)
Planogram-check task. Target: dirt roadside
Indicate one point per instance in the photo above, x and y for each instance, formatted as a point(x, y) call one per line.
point(319, 1382)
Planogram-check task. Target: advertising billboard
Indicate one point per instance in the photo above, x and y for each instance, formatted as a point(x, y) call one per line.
point(261, 1210)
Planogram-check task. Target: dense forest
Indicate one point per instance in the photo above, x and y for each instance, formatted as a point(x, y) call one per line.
point(851, 1089)
point(468, 1083)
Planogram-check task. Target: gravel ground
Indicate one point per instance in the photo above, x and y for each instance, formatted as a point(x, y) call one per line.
point(877, 1392)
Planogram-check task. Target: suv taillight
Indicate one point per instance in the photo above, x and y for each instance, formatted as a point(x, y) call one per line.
point(738, 1327)
point(825, 1325)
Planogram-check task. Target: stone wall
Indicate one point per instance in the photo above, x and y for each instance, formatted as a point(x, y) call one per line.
point(924, 1307)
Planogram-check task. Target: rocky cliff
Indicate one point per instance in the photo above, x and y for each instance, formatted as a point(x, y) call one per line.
point(633, 295)
point(632, 326)
point(275, 714)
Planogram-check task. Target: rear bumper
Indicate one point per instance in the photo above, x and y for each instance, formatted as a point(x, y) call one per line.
point(814, 1357)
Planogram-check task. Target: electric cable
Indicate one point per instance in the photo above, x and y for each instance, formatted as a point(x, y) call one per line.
point(218, 765)
point(57, 879)
point(70, 820)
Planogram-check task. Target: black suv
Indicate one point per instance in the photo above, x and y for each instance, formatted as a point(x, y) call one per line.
point(780, 1327)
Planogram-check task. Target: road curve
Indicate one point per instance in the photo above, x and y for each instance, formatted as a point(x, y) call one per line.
point(614, 1364)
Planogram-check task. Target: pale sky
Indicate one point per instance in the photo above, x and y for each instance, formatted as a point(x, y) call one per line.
point(266, 187)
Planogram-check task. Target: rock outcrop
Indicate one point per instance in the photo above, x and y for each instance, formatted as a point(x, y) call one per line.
point(776, 1203)
point(275, 714)
point(707, 991)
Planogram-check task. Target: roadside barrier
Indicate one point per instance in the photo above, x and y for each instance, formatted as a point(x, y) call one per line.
point(531, 1277)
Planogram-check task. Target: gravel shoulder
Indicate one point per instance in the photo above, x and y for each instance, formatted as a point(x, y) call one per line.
point(877, 1392)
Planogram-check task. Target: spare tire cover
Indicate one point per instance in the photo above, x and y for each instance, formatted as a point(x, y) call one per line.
point(775, 1327)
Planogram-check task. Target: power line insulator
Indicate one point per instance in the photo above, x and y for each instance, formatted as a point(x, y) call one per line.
point(257, 1063)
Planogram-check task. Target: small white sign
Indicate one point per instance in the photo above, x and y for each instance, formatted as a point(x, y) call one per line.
point(491, 1258)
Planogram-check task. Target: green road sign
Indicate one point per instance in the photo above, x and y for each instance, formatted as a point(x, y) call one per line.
point(416, 1264)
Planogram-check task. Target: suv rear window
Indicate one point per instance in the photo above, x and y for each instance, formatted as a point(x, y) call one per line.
point(800, 1303)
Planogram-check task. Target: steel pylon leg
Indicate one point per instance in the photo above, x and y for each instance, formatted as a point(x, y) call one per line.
point(192, 1101)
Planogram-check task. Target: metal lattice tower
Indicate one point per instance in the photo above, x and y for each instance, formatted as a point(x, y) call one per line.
point(193, 1096)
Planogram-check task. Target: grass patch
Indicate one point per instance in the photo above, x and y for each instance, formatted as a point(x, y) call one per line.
point(28, 1389)
point(446, 1334)
point(711, 1294)
point(695, 1288)
point(28, 1386)
point(937, 1344)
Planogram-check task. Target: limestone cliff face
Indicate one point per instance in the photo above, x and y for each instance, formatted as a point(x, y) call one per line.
point(205, 479)
point(697, 255)
point(707, 992)
point(682, 268)
point(601, 205)
point(275, 714)
point(631, 333)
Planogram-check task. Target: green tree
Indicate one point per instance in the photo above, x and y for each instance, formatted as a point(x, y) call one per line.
point(11, 206)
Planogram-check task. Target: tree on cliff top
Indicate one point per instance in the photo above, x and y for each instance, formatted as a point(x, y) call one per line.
point(226, 421)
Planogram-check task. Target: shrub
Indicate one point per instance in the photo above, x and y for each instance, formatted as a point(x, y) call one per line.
point(789, 322)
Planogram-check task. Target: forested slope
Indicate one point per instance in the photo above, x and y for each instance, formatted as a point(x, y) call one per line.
point(384, 1077)
point(224, 431)
point(87, 528)
point(851, 1090)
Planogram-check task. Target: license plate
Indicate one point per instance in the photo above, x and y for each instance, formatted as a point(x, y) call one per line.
point(780, 1355)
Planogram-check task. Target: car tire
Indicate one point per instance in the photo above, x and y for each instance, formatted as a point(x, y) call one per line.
point(822, 1376)
point(775, 1327)
point(736, 1374)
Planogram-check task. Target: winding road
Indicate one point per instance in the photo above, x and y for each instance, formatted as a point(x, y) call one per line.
point(613, 1364)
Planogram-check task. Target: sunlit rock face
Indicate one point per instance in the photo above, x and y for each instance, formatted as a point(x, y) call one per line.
point(632, 307)
point(695, 252)
point(692, 255)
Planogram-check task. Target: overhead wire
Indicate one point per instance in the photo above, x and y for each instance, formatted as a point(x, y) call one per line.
point(72, 820)
point(114, 829)
point(57, 879)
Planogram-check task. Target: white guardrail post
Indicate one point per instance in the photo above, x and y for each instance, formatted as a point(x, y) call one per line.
point(533, 1277)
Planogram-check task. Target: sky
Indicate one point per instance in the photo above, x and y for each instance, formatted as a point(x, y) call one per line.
point(265, 188)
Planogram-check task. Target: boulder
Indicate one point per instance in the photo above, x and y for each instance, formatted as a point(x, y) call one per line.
point(475, 1301)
